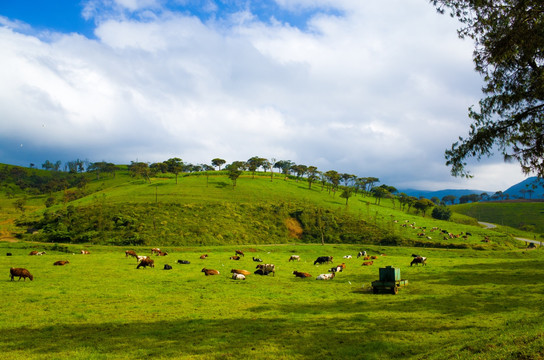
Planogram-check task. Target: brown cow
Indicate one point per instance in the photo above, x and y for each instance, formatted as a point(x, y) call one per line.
point(238, 271)
point(61, 262)
point(21, 273)
point(301, 274)
point(239, 252)
point(130, 253)
point(236, 257)
point(208, 272)
point(368, 263)
point(145, 263)
point(204, 256)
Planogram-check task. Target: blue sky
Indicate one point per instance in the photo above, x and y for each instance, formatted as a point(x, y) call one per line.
point(367, 88)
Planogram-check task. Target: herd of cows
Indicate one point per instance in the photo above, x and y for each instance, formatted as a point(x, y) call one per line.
point(144, 261)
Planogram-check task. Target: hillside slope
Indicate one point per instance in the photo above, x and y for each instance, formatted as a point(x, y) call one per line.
point(206, 209)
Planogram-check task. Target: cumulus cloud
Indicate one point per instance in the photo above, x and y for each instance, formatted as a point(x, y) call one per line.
point(370, 89)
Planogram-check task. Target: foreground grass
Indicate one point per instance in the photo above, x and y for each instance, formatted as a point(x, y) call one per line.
point(464, 304)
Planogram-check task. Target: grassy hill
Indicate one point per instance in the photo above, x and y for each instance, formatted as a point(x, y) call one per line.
point(523, 215)
point(205, 208)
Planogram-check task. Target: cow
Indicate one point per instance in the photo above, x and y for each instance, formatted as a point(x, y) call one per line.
point(140, 258)
point(267, 268)
point(239, 252)
point(167, 267)
point(155, 251)
point(336, 269)
point(235, 257)
point(257, 259)
point(130, 253)
point(9, 254)
point(236, 276)
point(239, 271)
point(325, 277)
point(61, 262)
point(209, 272)
point(294, 257)
point(347, 257)
point(145, 263)
point(204, 256)
point(21, 273)
point(35, 252)
point(261, 272)
point(162, 253)
point(361, 253)
point(85, 252)
point(301, 274)
point(323, 260)
point(184, 262)
point(419, 260)
point(368, 263)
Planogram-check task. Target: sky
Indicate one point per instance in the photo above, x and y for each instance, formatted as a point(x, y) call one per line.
point(370, 88)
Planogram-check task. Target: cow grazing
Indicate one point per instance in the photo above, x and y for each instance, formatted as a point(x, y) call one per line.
point(140, 258)
point(268, 268)
point(261, 272)
point(204, 256)
point(239, 271)
point(239, 252)
point(419, 260)
point(257, 259)
point(145, 263)
point(368, 263)
point(235, 257)
point(323, 260)
point(155, 251)
point(209, 272)
point(21, 273)
point(236, 276)
point(85, 252)
point(61, 262)
point(167, 267)
point(294, 257)
point(130, 253)
point(325, 276)
point(361, 253)
point(184, 262)
point(302, 275)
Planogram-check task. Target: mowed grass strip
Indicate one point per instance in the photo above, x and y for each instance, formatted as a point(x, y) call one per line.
point(463, 304)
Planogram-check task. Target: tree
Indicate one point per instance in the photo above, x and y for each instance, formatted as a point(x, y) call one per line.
point(449, 199)
point(347, 192)
point(379, 193)
point(20, 204)
point(333, 177)
point(423, 205)
point(312, 175)
point(233, 172)
point(254, 163)
point(441, 213)
point(509, 53)
point(218, 162)
point(174, 166)
point(140, 169)
point(284, 166)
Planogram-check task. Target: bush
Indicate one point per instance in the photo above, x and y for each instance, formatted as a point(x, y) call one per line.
point(441, 213)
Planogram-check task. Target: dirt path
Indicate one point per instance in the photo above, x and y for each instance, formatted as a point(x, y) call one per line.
point(491, 226)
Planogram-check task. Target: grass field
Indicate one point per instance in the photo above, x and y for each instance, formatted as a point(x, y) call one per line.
point(464, 304)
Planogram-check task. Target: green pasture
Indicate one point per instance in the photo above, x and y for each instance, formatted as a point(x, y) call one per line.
point(465, 304)
point(528, 216)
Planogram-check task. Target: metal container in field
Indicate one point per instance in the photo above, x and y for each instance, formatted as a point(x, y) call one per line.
point(389, 274)
point(389, 281)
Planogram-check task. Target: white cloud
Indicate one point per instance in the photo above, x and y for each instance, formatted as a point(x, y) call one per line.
point(376, 90)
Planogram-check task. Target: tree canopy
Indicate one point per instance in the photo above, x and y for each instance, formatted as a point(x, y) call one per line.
point(509, 53)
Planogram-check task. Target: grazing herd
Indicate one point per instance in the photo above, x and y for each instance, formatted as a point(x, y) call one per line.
point(263, 269)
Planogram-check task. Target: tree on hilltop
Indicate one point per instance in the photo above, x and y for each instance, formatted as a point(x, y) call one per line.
point(174, 166)
point(217, 162)
point(509, 54)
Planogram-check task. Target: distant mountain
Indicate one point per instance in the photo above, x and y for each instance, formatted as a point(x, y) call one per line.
point(530, 188)
point(441, 193)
